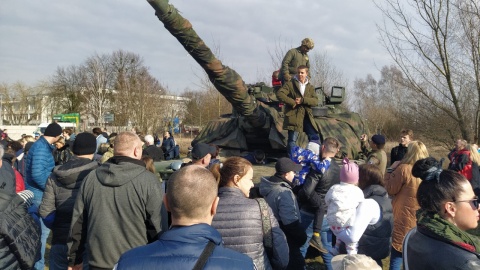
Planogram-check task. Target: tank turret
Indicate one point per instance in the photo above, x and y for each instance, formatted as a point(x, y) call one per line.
point(257, 118)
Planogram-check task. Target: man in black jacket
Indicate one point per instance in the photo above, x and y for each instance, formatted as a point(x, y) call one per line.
point(398, 152)
point(312, 197)
point(152, 150)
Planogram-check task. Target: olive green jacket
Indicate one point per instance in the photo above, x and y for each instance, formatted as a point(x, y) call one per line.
point(292, 60)
point(376, 157)
point(294, 116)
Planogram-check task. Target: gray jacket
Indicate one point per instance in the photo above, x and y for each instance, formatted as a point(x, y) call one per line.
point(239, 221)
point(117, 209)
point(281, 199)
point(60, 194)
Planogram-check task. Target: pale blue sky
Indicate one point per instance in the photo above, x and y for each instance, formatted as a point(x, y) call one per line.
point(37, 36)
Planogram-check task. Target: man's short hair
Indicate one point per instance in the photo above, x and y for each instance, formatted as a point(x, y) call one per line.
point(69, 131)
point(408, 132)
point(302, 67)
point(97, 131)
point(191, 192)
point(331, 145)
point(124, 142)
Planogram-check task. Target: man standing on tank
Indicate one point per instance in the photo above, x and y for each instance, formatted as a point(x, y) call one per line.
point(294, 58)
point(299, 96)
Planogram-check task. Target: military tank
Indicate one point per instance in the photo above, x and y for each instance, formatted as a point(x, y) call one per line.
point(257, 118)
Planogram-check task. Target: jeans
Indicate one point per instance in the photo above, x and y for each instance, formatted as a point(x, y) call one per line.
point(40, 264)
point(59, 258)
point(293, 135)
point(325, 234)
point(396, 260)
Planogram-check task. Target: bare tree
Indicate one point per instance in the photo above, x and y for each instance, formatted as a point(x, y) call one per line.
point(98, 85)
point(21, 104)
point(66, 87)
point(426, 41)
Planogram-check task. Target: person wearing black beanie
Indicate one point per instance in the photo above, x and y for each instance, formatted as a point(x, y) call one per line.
point(53, 130)
point(85, 144)
point(61, 192)
point(38, 167)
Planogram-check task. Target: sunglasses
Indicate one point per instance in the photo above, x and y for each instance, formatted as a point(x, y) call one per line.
point(475, 202)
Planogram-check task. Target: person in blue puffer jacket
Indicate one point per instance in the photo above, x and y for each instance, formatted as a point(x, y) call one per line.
point(190, 233)
point(38, 166)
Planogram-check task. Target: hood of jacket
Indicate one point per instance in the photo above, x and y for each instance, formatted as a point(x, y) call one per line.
point(119, 170)
point(375, 190)
point(76, 169)
point(268, 184)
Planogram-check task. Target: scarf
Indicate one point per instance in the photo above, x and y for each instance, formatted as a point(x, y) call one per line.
point(434, 225)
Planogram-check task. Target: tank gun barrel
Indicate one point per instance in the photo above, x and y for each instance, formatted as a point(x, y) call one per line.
point(226, 80)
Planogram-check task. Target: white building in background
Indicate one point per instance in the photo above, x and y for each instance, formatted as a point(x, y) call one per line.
point(32, 111)
point(40, 108)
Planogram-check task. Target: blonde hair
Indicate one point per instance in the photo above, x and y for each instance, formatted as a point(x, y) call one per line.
point(474, 155)
point(27, 138)
point(416, 151)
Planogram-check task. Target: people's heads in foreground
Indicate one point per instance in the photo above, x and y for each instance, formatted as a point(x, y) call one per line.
point(202, 154)
point(128, 144)
point(97, 131)
point(330, 147)
point(377, 142)
point(369, 174)
point(446, 193)
point(349, 172)
point(354, 262)
point(85, 144)
point(52, 132)
point(192, 195)
point(286, 168)
point(149, 140)
point(67, 132)
point(235, 172)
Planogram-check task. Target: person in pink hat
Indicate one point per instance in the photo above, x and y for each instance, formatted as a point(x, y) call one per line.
point(342, 201)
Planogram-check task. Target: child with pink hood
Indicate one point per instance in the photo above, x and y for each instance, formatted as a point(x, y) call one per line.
point(345, 202)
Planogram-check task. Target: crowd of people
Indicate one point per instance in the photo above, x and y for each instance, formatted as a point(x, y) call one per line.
point(104, 215)
point(99, 197)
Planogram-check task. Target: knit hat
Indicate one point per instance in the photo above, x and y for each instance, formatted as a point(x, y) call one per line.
point(84, 144)
point(285, 165)
point(349, 172)
point(378, 139)
point(53, 130)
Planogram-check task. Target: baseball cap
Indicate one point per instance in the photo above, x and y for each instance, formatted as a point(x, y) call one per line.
point(200, 150)
point(285, 165)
